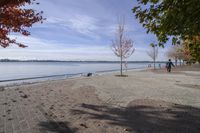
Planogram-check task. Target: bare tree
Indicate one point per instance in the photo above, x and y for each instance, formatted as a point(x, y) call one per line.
point(153, 53)
point(172, 54)
point(176, 52)
point(122, 46)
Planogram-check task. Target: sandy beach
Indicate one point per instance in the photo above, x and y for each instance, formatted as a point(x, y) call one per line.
point(144, 102)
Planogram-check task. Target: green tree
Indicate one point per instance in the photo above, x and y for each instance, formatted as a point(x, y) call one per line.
point(179, 19)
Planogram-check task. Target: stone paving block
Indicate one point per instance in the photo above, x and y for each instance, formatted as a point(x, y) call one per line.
point(20, 116)
point(1, 120)
point(24, 125)
point(26, 131)
point(2, 129)
point(16, 125)
point(17, 132)
point(9, 128)
point(38, 130)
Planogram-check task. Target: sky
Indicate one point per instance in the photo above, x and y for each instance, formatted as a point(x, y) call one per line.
point(81, 30)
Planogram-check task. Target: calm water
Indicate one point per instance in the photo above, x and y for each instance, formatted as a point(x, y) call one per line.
point(20, 70)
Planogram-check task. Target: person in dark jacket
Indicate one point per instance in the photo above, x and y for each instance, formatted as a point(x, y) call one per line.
point(169, 65)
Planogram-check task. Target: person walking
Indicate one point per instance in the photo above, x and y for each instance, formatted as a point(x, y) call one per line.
point(169, 65)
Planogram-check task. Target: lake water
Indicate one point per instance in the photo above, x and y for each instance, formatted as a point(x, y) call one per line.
point(24, 70)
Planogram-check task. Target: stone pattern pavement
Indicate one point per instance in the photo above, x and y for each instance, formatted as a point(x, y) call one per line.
point(25, 113)
point(27, 109)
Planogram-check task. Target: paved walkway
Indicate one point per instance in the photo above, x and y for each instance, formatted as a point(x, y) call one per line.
point(25, 110)
point(177, 87)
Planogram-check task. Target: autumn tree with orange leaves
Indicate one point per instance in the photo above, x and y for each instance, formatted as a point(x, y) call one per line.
point(15, 19)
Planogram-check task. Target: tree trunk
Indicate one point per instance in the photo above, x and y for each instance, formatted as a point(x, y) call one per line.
point(121, 66)
point(154, 60)
point(175, 61)
point(120, 41)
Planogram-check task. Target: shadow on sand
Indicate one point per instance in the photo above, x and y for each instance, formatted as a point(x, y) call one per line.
point(56, 127)
point(147, 116)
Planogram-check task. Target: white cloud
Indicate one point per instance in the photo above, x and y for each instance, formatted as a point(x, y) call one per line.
point(49, 50)
point(83, 24)
point(79, 31)
point(79, 23)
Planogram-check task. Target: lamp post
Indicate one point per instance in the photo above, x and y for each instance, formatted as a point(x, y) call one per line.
point(155, 55)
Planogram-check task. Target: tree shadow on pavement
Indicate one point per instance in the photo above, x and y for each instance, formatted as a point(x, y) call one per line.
point(56, 127)
point(146, 116)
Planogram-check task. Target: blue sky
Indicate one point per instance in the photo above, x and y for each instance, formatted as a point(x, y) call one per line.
point(81, 30)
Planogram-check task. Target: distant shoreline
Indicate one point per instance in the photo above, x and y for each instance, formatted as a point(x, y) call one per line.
point(9, 60)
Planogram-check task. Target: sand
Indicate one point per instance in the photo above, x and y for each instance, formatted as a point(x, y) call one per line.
point(144, 102)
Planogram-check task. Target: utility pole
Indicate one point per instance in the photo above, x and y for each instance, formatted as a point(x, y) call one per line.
point(154, 56)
